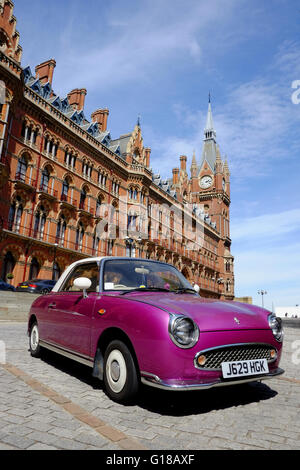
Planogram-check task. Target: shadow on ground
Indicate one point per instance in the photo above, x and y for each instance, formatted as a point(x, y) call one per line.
point(172, 403)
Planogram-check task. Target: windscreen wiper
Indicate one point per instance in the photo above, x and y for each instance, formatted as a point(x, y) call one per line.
point(145, 289)
point(182, 290)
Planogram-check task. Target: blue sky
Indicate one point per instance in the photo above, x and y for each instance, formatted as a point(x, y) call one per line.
point(160, 59)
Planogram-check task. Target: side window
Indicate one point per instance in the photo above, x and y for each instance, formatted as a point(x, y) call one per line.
point(89, 270)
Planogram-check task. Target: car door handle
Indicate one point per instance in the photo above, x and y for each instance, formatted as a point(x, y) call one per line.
point(53, 305)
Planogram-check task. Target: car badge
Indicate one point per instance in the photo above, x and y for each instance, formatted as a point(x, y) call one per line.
point(237, 320)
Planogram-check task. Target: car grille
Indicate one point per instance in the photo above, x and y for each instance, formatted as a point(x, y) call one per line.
point(243, 352)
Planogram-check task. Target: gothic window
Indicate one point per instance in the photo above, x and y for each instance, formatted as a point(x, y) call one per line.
point(83, 195)
point(98, 206)
point(22, 168)
point(61, 230)
point(46, 143)
point(34, 269)
point(18, 218)
point(65, 190)
point(39, 223)
point(8, 265)
point(96, 241)
point(79, 236)
point(110, 246)
point(130, 250)
point(45, 180)
point(70, 159)
point(131, 223)
point(11, 216)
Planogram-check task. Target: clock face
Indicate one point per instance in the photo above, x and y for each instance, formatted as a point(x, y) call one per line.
point(206, 182)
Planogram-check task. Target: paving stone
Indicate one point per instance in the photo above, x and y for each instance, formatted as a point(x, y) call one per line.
point(259, 416)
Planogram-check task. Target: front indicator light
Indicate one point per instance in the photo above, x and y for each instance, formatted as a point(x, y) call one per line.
point(201, 360)
point(273, 354)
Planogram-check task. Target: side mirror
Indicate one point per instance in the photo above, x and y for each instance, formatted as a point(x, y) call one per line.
point(82, 283)
point(196, 288)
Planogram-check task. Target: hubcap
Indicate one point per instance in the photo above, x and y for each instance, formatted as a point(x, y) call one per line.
point(34, 338)
point(116, 371)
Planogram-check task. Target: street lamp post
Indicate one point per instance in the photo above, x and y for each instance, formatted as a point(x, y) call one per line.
point(262, 293)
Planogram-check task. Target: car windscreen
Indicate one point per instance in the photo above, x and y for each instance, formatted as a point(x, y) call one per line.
point(122, 274)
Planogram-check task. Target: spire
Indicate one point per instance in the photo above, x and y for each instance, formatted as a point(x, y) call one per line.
point(194, 161)
point(194, 166)
point(209, 131)
point(209, 151)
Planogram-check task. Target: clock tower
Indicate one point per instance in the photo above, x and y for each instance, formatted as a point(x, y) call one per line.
point(211, 190)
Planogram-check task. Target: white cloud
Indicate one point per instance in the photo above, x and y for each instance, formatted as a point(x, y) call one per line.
point(137, 44)
point(267, 256)
point(266, 227)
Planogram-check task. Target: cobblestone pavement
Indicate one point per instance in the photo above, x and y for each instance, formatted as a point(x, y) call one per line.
point(54, 403)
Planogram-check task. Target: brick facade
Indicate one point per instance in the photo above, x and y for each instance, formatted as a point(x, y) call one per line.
point(68, 190)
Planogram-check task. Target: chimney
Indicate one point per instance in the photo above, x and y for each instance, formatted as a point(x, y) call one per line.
point(77, 97)
point(147, 156)
point(175, 175)
point(183, 160)
point(100, 116)
point(45, 71)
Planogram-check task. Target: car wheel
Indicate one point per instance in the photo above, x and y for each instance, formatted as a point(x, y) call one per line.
point(120, 374)
point(34, 341)
point(45, 291)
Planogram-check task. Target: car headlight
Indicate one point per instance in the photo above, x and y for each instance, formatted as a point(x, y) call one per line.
point(275, 324)
point(183, 331)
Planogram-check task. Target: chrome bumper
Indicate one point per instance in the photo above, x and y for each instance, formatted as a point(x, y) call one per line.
point(154, 381)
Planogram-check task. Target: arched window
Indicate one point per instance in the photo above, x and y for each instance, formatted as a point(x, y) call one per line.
point(83, 195)
point(65, 190)
point(34, 269)
point(8, 265)
point(22, 168)
point(96, 241)
point(61, 230)
point(45, 180)
point(130, 250)
point(39, 223)
point(11, 216)
point(98, 206)
point(79, 236)
point(18, 218)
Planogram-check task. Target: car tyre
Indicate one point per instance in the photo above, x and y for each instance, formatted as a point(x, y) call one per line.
point(120, 373)
point(45, 291)
point(34, 341)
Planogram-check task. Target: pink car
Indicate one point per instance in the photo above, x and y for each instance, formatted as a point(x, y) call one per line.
point(135, 320)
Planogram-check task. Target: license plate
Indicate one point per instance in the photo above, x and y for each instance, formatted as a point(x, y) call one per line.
point(24, 287)
point(244, 368)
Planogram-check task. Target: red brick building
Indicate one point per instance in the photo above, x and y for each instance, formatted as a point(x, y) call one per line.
point(69, 190)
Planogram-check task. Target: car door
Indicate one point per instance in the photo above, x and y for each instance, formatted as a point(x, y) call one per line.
point(69, 312)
